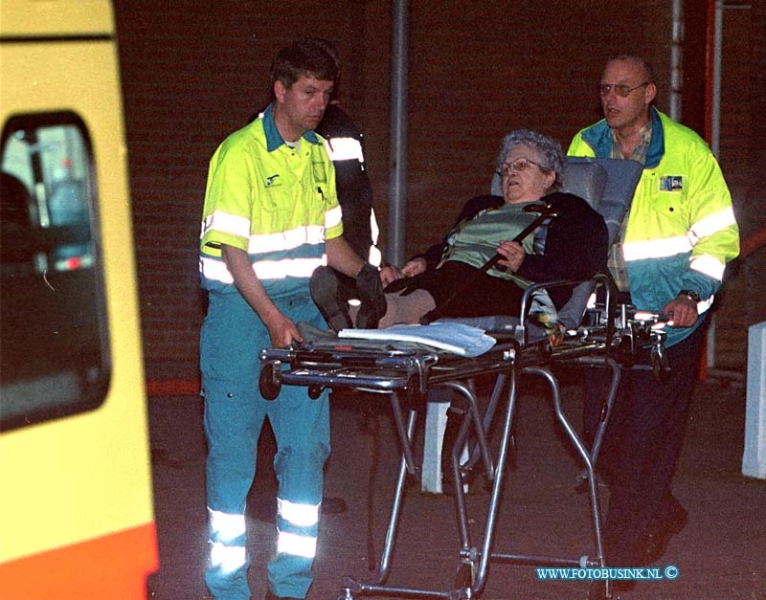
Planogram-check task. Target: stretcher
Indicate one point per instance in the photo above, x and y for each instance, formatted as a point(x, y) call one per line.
point(406, 372)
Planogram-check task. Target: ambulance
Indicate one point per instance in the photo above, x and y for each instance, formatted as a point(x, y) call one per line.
point(76, 516)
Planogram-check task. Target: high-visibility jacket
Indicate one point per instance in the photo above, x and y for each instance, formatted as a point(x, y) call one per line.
point(276, 202)
point(681, 229)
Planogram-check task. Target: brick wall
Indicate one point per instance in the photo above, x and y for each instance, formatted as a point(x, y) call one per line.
point(193, 72)
point(743, 301)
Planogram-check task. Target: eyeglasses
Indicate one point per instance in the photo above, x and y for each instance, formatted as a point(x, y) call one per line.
point(518, 165)
point(623, 90)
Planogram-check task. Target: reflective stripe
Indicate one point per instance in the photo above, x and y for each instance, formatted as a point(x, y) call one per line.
point(656, 248)
point(344, 148)
point(226, 526)
point(712, 224)
point(227, 558)
point(297, 545)
point(374, 229)
point(704, 305)
point(272, 242)
point(333, 217)
point(215, 269)
point(375, 258)
point(286, 240)
point(708, 265)
point(295, 267)
point(302, 515)
point(226, 223)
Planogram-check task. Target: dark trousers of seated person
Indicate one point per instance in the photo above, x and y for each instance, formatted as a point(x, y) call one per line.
point(460, 290)
point(642, 445)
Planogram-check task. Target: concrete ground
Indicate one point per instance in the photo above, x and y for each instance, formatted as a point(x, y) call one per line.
point(720, 555)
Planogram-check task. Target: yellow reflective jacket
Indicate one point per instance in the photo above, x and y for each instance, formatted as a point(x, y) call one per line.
point(277, 203)
point(681, 229)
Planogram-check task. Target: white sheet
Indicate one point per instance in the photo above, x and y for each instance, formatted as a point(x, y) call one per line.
point(457, 338)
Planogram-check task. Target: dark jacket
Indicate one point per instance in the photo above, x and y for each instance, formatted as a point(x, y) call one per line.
point(351, 181)
point(574, 244)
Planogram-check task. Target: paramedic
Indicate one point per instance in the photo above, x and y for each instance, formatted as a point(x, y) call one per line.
point(676, 240)
point(271, 216)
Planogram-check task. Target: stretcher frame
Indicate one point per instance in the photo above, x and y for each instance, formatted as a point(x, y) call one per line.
point(406, 371)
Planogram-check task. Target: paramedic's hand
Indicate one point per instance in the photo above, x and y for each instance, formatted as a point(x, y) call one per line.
point(556, 338)
point(413, 267)
point(682, 312)
point(390, 273)
point(512, 253)
point(282, 330)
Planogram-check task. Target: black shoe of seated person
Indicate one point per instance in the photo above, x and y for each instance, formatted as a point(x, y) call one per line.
point(373, 300)
point(323, 287)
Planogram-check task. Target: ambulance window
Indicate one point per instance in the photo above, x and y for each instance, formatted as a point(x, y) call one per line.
point(54, 358)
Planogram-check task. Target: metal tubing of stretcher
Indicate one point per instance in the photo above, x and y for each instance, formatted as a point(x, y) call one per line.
point(480, 579)
point(582, 451)
point(601, 431)
point(471, 416)
point(404, 435)
point(390, 591)
point(351, 586)
point(384, 566)
point(489, 415)
point(474, 417)
point(462, 513)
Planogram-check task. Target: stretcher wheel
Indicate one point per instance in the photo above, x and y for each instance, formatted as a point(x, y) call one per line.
point(268, 384)
point(314, 391)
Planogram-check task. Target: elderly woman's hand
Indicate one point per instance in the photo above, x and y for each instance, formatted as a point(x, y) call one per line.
point(512, 253)
point(413, 267)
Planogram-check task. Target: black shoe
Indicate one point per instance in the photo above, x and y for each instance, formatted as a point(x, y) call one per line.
point(656, 542)
point(323, 287)
point(373, 301)
point(597, 590)
point(333, 506)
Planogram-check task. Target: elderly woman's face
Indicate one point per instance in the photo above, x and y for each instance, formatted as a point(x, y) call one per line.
point(523, 177)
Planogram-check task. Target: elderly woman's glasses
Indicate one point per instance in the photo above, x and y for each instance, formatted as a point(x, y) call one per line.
point(623, 90)
point(518, 165)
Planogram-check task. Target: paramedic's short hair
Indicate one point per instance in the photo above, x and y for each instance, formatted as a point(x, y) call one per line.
point(328, 47)
point(644, 65)
point(303, 58)
point(549, 149)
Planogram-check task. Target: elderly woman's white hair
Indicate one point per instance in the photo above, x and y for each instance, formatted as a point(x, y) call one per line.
point(549, 149)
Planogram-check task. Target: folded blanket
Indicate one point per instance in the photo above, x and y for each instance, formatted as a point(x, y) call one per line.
point(457, 338)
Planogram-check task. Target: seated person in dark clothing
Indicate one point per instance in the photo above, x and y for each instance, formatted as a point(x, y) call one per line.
point(572, 246)
point(344, 142)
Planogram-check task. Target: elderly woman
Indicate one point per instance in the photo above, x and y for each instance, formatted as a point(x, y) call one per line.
point(448, 280)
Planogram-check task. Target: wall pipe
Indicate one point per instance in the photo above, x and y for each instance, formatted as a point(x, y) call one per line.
point(713, 128)
point(715, 98)
point(676, 61)
point(397, 186)
point(713, 121)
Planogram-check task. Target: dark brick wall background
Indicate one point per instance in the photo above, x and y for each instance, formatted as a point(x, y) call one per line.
point(193, 72)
